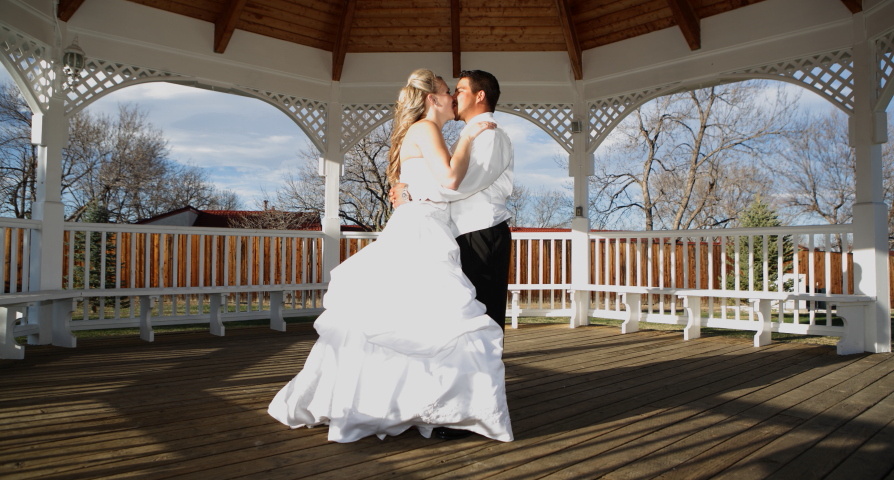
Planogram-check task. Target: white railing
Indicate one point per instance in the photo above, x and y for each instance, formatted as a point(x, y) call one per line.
point(540, 273)
point(169, 261)
point(15, 246)
point(810, 259)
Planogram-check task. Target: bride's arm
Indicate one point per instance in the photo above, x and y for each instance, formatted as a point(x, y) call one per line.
point(449, 171)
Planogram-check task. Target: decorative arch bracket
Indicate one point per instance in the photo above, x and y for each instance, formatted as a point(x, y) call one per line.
point(553, 118)
point(831, 75)
point(359, 120)
point(604, 115)
point(32, 61)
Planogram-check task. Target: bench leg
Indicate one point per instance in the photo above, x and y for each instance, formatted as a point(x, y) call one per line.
point(146, 332)
point(9, 348)
point(276, 321)
point(693, 306)
point(764, 319)
point(580, 303)
point(854, 338)
point(633, 302)
point(62, 336)
point(216, 322)
point(513, 308)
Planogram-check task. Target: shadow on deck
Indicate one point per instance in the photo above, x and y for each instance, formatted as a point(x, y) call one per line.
point(585, 403)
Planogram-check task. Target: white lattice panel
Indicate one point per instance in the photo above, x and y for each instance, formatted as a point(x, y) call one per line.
point(828, 74)
point(884, 51)
point(604, 115)
point(359, 120)
point(554, 119)
point(100, 77)
point(32, 61)
point(309, 114)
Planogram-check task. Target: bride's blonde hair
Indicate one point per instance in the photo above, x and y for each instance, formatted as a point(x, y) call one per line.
point(409, 109)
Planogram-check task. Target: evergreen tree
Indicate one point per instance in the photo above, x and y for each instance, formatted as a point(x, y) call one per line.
point(95, 213)
point(759, 215)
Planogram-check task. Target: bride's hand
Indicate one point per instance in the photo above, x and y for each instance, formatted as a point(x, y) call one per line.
point(482, 126)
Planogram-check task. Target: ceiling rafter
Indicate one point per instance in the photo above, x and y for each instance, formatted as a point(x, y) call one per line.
point(340, 46)
point(454, 38)
point(67, 8)
point(688, 21)
point(855, 6)
point(226, 24)
point(571, 40)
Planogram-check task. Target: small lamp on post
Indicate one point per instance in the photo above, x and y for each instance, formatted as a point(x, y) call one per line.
point(73, 61)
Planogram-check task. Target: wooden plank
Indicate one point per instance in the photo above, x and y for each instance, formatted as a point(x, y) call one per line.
point(584, 402)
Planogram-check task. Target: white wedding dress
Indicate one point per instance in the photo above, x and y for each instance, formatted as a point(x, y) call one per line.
point(403, 342)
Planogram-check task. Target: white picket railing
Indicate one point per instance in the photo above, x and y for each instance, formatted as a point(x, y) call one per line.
point(15, 245)
point(803, 259)
point(169, 260)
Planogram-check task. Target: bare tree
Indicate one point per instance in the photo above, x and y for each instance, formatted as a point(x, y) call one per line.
point(539, 207)
point(120, 165)
point(819, 177)
point(679, 159)
point(18, 158)
point(124, 165)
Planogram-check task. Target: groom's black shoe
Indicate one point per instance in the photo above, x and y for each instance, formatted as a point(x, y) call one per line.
point(445, 433)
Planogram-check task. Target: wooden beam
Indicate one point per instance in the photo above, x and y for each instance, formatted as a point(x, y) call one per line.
point(226, 24)
point(571, 41)
point(688, 21)
point(67, 8)
point(855, 6)
point(454, 38)
point(340, 46)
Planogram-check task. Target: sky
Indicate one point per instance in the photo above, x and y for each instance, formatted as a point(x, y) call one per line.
point(248, 146)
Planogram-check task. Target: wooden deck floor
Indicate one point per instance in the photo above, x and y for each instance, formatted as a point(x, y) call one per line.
point(585, 403)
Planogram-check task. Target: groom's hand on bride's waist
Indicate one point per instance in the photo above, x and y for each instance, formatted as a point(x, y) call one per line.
point(399, 195)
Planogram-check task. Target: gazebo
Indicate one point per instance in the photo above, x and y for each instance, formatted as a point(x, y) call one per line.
point(574, 68)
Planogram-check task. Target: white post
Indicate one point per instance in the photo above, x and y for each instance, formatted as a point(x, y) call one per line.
point(580, 166)
point(332, 163)
point(867, 133)
point(49, 133)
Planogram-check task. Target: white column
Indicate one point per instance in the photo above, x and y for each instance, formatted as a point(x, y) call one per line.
point(867, 133)
point(49, 133)
point(580, 166)
point(332, 163)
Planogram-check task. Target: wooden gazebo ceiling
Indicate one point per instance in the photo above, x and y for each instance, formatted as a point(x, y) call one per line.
point(364, 26)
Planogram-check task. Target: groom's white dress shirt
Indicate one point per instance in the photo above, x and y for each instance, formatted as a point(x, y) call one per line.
point(480, 200)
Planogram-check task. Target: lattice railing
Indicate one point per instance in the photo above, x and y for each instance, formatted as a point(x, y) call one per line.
point(359, 120)
point(828, 74)
point(309, 114)
point(100, 77)
point(554, 119)
point(884, 52)
point(31, 60)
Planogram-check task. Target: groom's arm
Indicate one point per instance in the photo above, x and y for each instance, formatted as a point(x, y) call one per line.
point(490, 156)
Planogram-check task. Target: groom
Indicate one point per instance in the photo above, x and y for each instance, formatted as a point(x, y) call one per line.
point(478, 206)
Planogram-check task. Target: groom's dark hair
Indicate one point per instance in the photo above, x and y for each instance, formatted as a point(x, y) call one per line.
point(481, 80)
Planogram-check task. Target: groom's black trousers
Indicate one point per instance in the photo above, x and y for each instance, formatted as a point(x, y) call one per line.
point(485, 260)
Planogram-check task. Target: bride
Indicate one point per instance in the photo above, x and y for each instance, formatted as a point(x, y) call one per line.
point(402, 341)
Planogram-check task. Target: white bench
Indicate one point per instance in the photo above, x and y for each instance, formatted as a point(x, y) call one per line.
point(516, 288)
point(853, 309)
point(62, 309)
point(631, 297)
